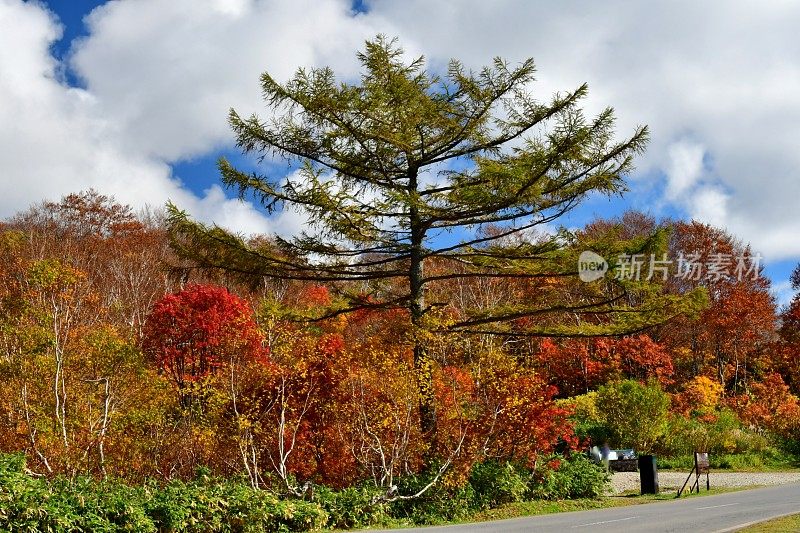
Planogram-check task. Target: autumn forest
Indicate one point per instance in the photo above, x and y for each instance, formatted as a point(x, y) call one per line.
point(424, 348)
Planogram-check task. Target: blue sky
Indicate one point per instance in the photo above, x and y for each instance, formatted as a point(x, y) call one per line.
point(199, 172)
point(132, 100)
point(70, 14)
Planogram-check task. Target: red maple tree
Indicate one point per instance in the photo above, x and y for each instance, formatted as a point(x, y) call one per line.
point(192, 333)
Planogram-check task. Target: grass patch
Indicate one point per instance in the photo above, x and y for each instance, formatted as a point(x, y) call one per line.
point(778, 525)
point(670, 492)
point(543, 507)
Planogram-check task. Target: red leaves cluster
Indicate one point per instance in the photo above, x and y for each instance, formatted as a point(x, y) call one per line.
point(192, 333)
point(643, 359)
point(315, 296)
point(507, 414)
point(575, 365)
point(769, 406)
point(578, 366)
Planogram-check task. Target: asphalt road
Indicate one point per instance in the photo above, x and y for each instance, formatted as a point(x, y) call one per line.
point(718, 513)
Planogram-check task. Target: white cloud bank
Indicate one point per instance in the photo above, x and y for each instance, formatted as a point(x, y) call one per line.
point(160, 78)
point(717, 81)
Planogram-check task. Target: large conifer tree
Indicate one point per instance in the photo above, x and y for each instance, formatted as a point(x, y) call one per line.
point(406, 169)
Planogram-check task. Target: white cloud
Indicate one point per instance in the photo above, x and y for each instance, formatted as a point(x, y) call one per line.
point(783, 292)
point(717, 81)
point(51, 141)
point(159, 80)
point(710, 204)
point(685, 167)
point(166, 73)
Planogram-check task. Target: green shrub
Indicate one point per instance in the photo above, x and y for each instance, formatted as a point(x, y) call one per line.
point(724, 435)
point(635, 414)
point(586, 417)
point(760, 460)
point(498, 483)
point(35, 504)
point(790, 446)
point(30, 504)
point(572, 478)
point(351, 507)
point(769, 458)
point(682, 437)
point(438, 504)
point(230, 506)
point(727, 435)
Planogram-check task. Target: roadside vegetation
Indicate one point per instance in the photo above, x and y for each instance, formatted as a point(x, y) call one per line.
point(206, 503)
point(787, 524)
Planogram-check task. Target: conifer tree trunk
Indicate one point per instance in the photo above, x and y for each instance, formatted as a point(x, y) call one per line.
point(422, 363)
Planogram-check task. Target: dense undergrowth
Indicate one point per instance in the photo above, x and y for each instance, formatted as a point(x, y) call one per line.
point(210, 504)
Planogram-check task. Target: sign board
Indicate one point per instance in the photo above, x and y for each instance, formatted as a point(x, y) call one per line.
point(701, 460)
point(701, 466)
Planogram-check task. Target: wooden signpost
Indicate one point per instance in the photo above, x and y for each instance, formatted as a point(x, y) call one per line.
point(701, 466)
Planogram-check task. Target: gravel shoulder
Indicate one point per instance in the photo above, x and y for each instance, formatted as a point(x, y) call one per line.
point(668, 480)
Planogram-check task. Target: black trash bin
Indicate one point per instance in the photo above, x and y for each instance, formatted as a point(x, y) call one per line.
point(648, 474)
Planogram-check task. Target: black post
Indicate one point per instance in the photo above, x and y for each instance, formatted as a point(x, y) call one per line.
point(648, 474)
